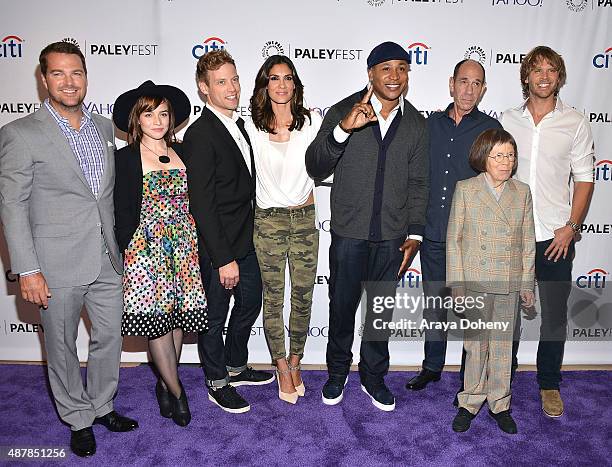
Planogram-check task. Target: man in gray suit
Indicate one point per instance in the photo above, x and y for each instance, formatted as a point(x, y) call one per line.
point(375, 143)
point(56, 203)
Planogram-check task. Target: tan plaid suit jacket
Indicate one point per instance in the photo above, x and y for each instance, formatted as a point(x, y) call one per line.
point(490, 245)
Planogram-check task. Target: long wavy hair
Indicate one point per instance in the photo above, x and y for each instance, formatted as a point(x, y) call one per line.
point(261, 104)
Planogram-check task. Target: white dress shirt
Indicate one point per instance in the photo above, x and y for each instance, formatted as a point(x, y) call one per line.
point(557, 149)
point(232, 127)
point(341, 136)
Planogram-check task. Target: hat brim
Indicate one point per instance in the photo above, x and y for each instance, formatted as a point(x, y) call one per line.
point(124, 103)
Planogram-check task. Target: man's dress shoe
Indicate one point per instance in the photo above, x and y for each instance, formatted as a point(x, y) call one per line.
point(115, 422)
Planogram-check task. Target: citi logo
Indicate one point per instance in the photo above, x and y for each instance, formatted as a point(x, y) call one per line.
point(594, 279)
point(418, 53)
point(603, 170)
point(410, 279)
point(603, 60)
point(10, 47)
point(209, 44)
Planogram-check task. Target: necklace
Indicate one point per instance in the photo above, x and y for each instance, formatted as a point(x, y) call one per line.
point(164, 159)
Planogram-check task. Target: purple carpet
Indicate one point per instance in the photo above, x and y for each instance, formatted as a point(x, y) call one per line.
point(352, 433)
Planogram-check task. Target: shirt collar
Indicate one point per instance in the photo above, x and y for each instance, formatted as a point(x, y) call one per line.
point(523, 107)
point(474, 113)
point(377, 105)
point(234, 118)
point(85, 119)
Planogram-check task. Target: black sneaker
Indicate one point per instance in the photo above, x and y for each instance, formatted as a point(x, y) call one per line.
point(462, 420)
point(228, 399)
point(333, 391)
point(505, 421)
point(251, 377)
point(381, 397)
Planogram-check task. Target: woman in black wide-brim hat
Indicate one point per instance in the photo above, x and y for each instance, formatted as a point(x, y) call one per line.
point(162, 288)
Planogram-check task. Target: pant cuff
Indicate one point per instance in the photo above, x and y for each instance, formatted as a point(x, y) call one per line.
point(217, 383)
point(236, 369)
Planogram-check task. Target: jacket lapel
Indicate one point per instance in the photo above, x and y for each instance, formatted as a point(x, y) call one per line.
point(222, 132)
point(485, 195)
point(51, 130)
point(109, 155)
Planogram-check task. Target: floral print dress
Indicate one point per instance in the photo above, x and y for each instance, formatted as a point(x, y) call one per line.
point(162, 286)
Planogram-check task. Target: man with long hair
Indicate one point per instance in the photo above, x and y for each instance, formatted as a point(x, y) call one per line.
point(554, 144)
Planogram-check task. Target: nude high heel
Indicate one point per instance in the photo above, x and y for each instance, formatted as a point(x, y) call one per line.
point(300, 389)
point(291, 397)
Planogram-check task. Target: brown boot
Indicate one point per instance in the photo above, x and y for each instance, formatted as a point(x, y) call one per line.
point(552, 405)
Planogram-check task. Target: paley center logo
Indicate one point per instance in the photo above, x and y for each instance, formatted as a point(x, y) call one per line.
point(209, 44)
point(599, 117)
point(71, 40)
point(11, 47)
point(603, 60)
point(576, 5)
point(476, 53)
point(594, 279)
point(418, 53)
point(375, 2)
point(272, 48)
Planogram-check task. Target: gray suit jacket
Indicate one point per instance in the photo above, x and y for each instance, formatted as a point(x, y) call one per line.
point(52, 221)
point(354, 165)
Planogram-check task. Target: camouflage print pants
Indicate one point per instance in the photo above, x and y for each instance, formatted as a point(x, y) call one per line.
point(282, 235)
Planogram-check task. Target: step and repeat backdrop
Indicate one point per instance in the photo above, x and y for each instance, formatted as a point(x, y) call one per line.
point(128, 42)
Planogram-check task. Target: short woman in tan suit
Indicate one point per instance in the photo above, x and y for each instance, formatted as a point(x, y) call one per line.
point(490, 254)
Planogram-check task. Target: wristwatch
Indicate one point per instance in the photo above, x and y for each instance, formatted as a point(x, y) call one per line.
point(575, 227)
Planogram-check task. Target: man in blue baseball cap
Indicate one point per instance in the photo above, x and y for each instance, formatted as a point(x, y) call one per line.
point(376, 145)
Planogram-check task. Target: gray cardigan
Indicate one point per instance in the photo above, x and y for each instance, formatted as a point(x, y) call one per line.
point(354, 163)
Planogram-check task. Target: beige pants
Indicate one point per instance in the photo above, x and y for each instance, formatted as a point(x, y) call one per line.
point(488, 359)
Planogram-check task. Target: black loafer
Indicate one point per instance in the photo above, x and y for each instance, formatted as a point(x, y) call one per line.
point(115, 422)
point(462, 420)
point(163, 399)
point(83, 442)
point(505, 421)
point(423, 379)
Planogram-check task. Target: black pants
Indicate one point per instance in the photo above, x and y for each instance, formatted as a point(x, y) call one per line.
point(352, 262)
point(216, 356)
point(554, 287)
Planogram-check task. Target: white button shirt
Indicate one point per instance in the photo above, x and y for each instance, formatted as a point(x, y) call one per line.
point(550, 154)
point(232, 127)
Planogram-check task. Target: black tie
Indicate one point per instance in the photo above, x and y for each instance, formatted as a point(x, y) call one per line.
point(240, 123)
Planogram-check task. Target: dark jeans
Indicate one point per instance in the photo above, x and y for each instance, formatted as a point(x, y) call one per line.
point(216, 356)
point(351, 263)
point(554, 287)
point(433, 267)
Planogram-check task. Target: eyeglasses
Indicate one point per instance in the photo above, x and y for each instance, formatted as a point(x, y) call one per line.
point(500, 157)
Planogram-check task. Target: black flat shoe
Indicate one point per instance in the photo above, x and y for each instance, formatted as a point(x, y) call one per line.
point(423, 379)
point(163, 399)
point(180, 410)
point(83, 442)
point(462, 420)
point(117, 423)
point(505, 421)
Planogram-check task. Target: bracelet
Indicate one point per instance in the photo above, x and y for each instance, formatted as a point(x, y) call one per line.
point(575, 227)
point(346, 131)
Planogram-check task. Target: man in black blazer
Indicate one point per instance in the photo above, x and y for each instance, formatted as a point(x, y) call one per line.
point(221, 178)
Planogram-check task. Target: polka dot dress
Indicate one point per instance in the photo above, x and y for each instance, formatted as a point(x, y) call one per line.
point(162, 286)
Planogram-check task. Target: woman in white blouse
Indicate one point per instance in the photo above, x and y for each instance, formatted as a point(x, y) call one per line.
point(280, 131)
